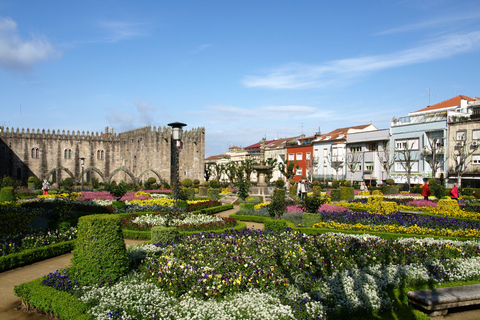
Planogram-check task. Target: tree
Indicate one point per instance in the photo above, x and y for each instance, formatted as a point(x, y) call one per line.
point(242, 184)
point(336, 162)
point(247, 167)
point(462, 153)
point(288, 170)
point(353, 160)
point(208, 168)
point(272, 163)
point(433, 155)
point(219, 170)
point(231, 171)
point(405, 156)
point(309, 165)
point(385, 159)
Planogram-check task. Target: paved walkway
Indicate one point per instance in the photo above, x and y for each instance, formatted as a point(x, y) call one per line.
point(9, 303)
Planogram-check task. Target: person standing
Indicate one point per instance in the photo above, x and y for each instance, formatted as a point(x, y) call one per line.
point(363, 186)
point(45, 187)
point(426, 191)
point(301, 189)
point(454, 192)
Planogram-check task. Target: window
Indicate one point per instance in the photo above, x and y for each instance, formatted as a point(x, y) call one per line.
point(325, 152)
point(299, 156)
point(299, 172)
point(308, 156)
point(291, 157)
point(369, 166)
point(476, 159)
point(399, 166)
point(100, 154)
point(35, 153)
point(461, 135)
point(372, 146)
point(476, 134)
point(355, 148)
point(67, 154)
point(402, 144)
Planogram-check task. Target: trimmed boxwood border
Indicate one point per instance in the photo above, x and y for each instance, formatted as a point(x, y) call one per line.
point(30, 256)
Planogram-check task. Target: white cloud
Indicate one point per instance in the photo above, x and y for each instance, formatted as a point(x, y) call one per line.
point(19, 54)
point(301, 76)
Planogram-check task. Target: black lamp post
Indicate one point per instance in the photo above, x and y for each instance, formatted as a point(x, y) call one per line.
point(82, 163)
point(176, 143)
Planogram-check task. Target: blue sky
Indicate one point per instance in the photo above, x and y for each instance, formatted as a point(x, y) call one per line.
point(244, 70)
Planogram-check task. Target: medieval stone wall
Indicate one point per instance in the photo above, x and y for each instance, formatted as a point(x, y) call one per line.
point(133, 155)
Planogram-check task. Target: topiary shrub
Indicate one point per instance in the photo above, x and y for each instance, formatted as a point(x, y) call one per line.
point(309, 219)
point(187, 183)
point(99, 255)
point(390, 182)
point(347, 183)
point(311, 204)
point(275, 224)
point(162, 234)
point(117, 190)
point(7, 194)
point(277, 206)
point(213, 194)
point(279, 183)
point(68, 183)
point(376, 193)
point(390, 189)
point(187, 193)
point(347, 193)
point(151, 180)
point(317, 191)
point(196, 183)
point(335, 184)
point(214, 184)
point(202, 191)
point(437, 189)
point(335, 194)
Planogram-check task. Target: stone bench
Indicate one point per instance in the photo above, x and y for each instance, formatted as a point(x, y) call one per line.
point(437, 302)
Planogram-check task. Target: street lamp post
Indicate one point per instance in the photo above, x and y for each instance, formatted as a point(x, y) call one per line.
point(176, 143)
point(82, 162)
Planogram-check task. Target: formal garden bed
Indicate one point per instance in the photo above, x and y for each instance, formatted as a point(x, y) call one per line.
point(347, 259)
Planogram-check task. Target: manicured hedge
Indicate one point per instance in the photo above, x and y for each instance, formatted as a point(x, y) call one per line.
point(309, 219)
point(29, 256)
point(49, 300)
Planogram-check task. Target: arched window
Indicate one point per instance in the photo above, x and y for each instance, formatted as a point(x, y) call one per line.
point(65, 156)
point(69, 153)
point(98, 154)
point(35, 153)
point(103, 154)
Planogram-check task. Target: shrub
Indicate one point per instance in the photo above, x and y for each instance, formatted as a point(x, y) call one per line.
point(99, 255)
point(162, 234)
point(8, 182)
point(335, 194)
point(347, 193)
point(390, 182)
point(7, 194)
point(277, 207)
point(187, 182)
point(243, 186)
point(279, 183)
point(390, 189)
point(335, 184)
point(120, 206)
point(31, 179)
point(347, 183)
point(95, 182)
point(187, 193)
point(387, 207)
point(117, 190)
point(203, 191)
point(309, 219)
point(214, 184)
point(151, 180)
point(213, 194)
point(275, 224)
point(311, 204)
point(205, 184)
point(438, 190)
point(317, 191)
point(196, 183)
point(68, 183)
point(376, 193)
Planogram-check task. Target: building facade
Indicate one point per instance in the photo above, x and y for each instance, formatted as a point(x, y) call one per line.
point(130, 156)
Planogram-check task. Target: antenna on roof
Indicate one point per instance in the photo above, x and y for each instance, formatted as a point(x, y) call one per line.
point(301, 124)
point(430, 94)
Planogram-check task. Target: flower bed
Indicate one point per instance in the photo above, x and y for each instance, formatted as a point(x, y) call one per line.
point(276, 275)
point(147, 221)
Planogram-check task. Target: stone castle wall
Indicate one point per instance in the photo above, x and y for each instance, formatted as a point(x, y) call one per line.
point(132, 155)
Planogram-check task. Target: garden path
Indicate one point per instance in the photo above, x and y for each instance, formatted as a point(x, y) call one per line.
point(250, 225)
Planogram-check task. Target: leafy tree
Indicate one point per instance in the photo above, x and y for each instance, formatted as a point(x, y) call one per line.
point(272, 163)
point(277, 207)
point(243, 186)
point(231, 171)
point(288, 170)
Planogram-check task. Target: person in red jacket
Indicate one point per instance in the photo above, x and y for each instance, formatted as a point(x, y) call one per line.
point(454, 192)
point(426, 191)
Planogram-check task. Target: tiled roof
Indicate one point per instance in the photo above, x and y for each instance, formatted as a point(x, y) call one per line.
point(257, 145)
point(452, 102)
point(220, 156)
point(336, 134)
